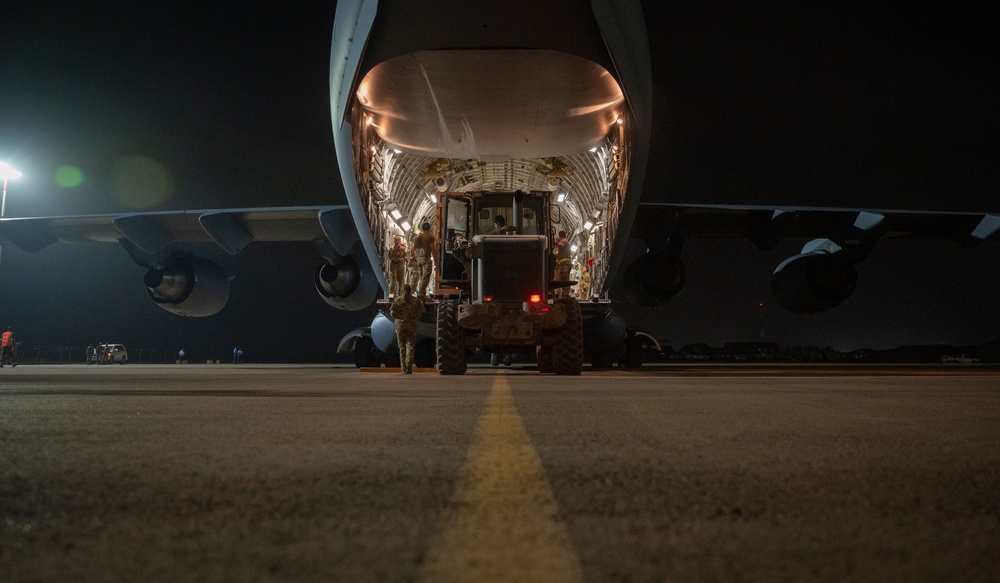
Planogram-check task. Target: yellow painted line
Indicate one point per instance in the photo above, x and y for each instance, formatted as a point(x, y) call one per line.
point(502, 523)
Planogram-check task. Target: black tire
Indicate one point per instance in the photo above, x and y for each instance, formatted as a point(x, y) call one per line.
point(545, 359)
point(494, 359)
point(508, 359)
point(423, 354)
point(568, 351)
point(633, 352)
point(450, 340)
point(364, 353)
point(392, 359)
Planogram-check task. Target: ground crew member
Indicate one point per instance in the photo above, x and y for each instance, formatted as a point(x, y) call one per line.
point(425, 252)
point(583, 288)
point(563, 256)
point(7, 346)
point(406, 311)
point(397, 265)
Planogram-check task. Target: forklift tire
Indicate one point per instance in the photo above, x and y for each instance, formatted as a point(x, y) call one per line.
point(568, 351)
point(450, 340)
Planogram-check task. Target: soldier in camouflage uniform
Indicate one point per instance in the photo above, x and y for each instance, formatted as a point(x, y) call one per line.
point(406, 311)
point(424, 251)
point(397, 266)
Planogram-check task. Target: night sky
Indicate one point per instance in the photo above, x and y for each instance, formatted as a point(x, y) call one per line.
point(784, 104)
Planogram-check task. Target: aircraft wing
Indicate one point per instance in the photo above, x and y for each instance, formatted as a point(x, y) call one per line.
point(152, 232)
point(765, 226)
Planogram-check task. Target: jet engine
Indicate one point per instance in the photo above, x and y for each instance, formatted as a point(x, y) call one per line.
point(654, 278)
point(813, 282)
point(345, 283)
point(188, 286)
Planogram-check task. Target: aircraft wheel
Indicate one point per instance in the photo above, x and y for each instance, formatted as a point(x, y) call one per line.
point(633, 352)
point(364, 355)
point(423, 354)
point(545, 360)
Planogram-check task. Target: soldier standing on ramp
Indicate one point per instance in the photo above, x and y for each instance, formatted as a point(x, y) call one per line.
point(406, 311)
point(397, 265)
point(424, 251)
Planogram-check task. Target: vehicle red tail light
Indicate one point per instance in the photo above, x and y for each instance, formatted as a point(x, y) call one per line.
point(535, 298)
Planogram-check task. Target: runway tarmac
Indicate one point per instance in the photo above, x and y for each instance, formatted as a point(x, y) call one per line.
point(310, 473)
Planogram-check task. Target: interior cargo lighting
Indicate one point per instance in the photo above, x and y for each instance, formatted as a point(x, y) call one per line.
point(406, 226)
point(588, 225)
point(396, 215)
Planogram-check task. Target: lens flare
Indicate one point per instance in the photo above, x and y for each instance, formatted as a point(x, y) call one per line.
point(141, 182)
point(68, 176)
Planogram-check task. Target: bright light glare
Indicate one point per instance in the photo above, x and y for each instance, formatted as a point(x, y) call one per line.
point(8, 172)
point(573, 248)
point(535, 298)
point(561, 197)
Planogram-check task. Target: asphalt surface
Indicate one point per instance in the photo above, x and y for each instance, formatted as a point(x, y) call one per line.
point(285, 473)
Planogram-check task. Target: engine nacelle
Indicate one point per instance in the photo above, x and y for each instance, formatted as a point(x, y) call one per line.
point(654, 278)
point(813, 282)
point(347, 285)
point(188, 286)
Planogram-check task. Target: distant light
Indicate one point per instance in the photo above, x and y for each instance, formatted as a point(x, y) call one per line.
point(406, 226)
point(619, 120)
point(594, 149)
point(573, 248)
point(8, 172)
point(369, 121)
point(396, 215)
point(434, 197)
point(397, 150)
point(488, 299)
point(588, 225)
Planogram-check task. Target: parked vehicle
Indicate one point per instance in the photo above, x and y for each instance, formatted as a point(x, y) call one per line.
point(109, 354)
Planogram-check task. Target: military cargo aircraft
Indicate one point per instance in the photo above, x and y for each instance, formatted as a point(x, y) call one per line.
point(449, 113)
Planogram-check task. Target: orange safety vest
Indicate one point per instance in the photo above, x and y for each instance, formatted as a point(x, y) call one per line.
point(7, 337)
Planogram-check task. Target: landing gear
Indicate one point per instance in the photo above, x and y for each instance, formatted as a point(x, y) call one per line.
point(365, 353)
point(496, 358)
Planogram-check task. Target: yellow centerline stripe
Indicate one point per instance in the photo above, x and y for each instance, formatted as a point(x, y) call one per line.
point(502, 523)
